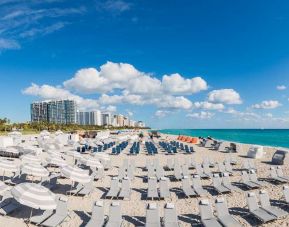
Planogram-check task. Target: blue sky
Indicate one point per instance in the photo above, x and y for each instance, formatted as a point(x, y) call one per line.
point(173, 64)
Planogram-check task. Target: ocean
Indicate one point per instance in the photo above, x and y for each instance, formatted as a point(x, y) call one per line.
point(265, 137)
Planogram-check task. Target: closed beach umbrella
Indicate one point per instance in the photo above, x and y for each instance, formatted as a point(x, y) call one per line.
point(34, 169)
point(30, 158)
point(34, 196)
point(57, 161)
point(75, 174)
point(3, 187)
point(90, 161)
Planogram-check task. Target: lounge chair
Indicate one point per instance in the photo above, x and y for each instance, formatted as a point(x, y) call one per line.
point(17, 179)
point(207, 217)
point(223, 214)
point(217, 183)
point(246, 181)
point(257, 211)
point(275, 177)
point(114, 217)
point(152, 216)
point(227, 182)
point(185, 170)
point(197, 186)
point(228, 167)
point(121, 172)
point(151, 171)
point(286, 193)
point(221, 168)
point(200, 171)
point(87, 189)
point(170, 218)
point(187, 188)
point(160, 172)
point(177, 172)
point(99, 174)
point(164, 188)
point(9, 207)
point(281, 174)
point(252, 165)
point(60, 214)
point(207, 170)
point(152, 188)
point(130, 172)
point(6, 198)
point(41, 217)
point(265, 204)
point(114, 188)
point(97, 217)
point(125, 191)
point(254, 179)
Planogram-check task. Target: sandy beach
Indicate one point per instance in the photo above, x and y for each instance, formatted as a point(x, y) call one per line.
point(134, 210)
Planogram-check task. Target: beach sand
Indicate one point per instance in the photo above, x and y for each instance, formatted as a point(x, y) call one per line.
point(134, 210)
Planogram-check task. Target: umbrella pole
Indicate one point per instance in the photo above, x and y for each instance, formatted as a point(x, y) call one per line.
point(30, 216)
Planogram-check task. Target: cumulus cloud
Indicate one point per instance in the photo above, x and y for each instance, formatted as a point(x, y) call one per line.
point(267, 104)
point(176, 84)
point(208, 106)
point(226, 96)
point(281, 87)
point(201, 115)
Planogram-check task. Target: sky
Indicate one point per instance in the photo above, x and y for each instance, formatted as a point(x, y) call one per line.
point(171, 64)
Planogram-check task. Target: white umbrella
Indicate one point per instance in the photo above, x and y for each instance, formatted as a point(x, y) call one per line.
point(35, 196)
point(34, 169)
point(30, 158)
point(54, 153)
point(91, 162)
point(57, 161)
point(76, 174)
point(8, 165)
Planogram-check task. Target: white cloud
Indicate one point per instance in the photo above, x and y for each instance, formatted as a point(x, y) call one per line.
point(114, 6)
point(129, 113)
point(208, 106)
point(226, 96)
point(172, 102)
point(43, 31)
point(110, 109)
point(176, 84)
point(281, 87)
point(201, 115)
point(267, 104)
point(6, 44)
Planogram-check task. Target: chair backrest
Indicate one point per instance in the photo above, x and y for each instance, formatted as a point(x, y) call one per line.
point(228, 166)
point(245, 177)
point(246, 164)
point(226, 179)
point(206, 210)
point(186, 182)
point(221, 207)
point(216, 180)
point(61, 208)
point(286, 193)
point(252, 201)
point(264, 198)
point(114, 183)
point(199, 169)
point(115, 212)
point(164, 183)
point(185, 170)
point(252, 164)
point(152, 183)
point(125, 184)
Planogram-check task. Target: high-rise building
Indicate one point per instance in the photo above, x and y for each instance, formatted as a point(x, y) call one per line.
point(89, 118)
point(106, 119)
point(120, 120)
point(56, 111)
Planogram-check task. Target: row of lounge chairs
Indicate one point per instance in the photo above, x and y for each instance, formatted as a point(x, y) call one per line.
point(118, 191)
